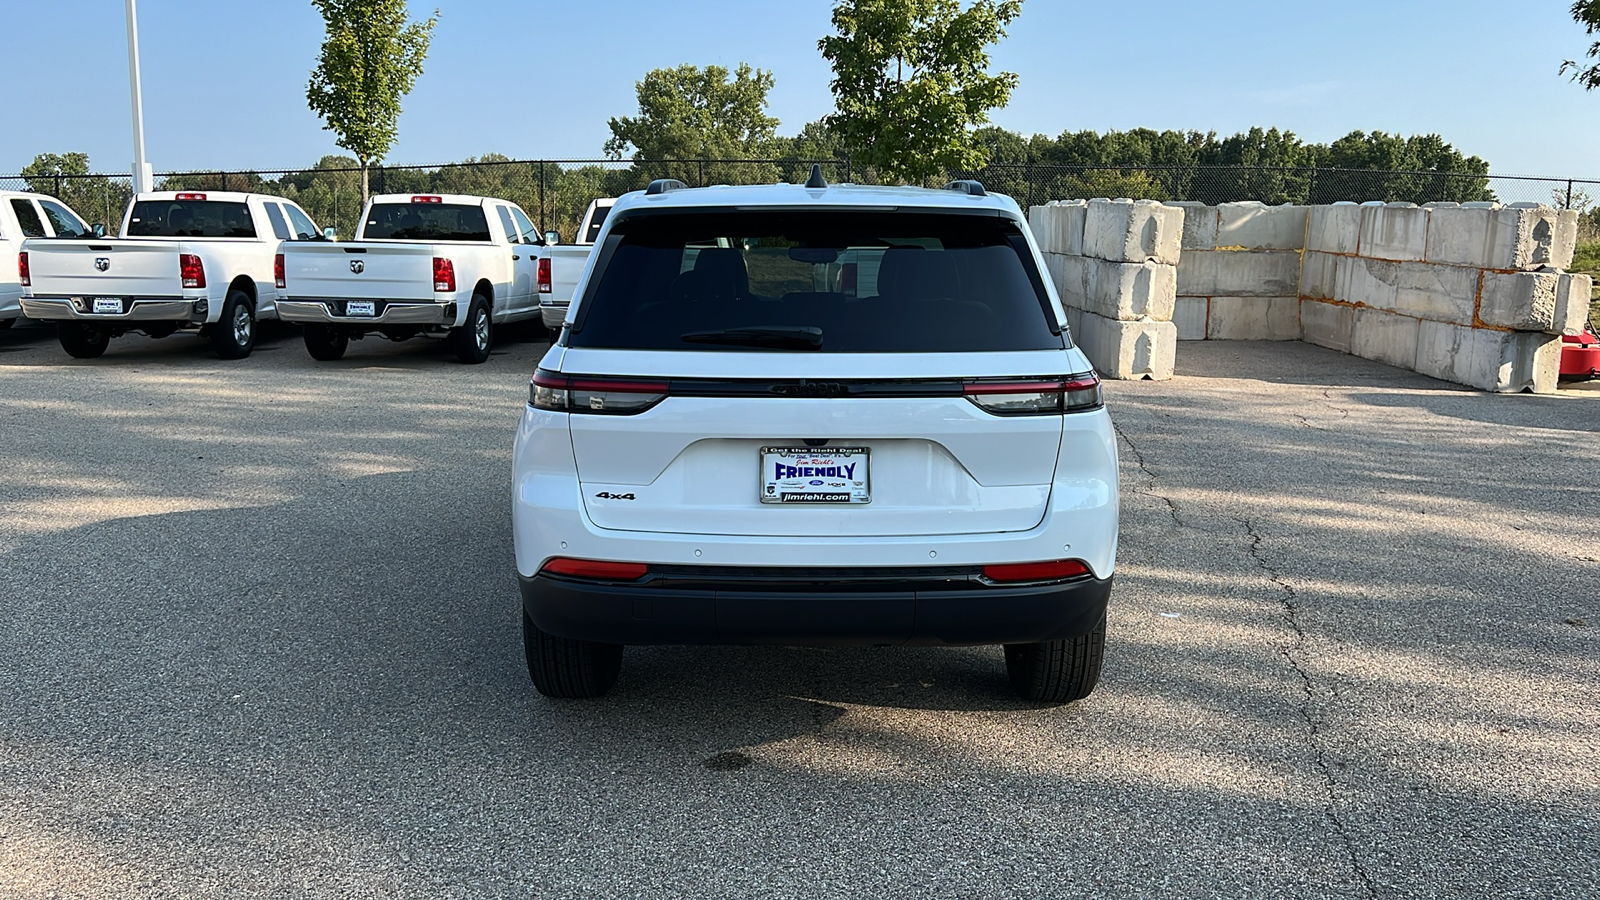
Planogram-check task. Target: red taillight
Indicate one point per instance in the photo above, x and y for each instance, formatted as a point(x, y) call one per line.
point(23, 275)
point(615, 397)
point(1074, 393)
point(191, 271)
point(277, 270)
point(444, 274)
point(847, 279)
point(1036, 571)
point(191, 196)
point(429, 199)
point(590, 568)
point(544, 276)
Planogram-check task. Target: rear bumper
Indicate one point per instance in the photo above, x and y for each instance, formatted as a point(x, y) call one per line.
point(139, 309)
point(389, 312)
point(554, 313)
point(731, 605)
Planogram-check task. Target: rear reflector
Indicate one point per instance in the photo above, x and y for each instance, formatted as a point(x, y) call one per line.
point(427, 199)
point(277, 270)
point(191, 196)
point(444, 275)
point(601, 571)
point(23, 274)
point(191, 271)
point(1039, 571)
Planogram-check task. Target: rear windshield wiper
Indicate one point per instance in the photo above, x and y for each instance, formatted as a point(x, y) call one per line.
point(793, 337)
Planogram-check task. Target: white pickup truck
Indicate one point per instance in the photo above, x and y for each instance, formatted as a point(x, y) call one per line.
point(194, 261)
point(568, 261)
point(23, 216)
point(445, 265)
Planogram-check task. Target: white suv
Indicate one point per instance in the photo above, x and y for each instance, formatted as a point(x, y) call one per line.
point(815, 415)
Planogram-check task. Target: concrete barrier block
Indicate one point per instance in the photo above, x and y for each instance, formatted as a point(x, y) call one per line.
point(1069, 275)
point(1500, 361)
point(1333, 229)
point(1384, 337)
point(1572, 304)
point(1254, 319)
point(1255, 226)
point(1394, 232)
point(1058, 226)
point(1130, 290)
point(1189, 314)
point(1326, 324)
point(1239, 273)
point(1521, 237)
point(1130, 350)
point(1521, 301)
point(1200, 224)
point(1566, 242)
point(1317, 275)
point(1133, 231)
point(1419, 290)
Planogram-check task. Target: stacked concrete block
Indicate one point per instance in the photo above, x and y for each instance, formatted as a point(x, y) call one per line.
point(1503, 361)
point(1509, 238)
point(1394, 231)
point(1239, 278)
point(1572, 303)
point(1112, 263)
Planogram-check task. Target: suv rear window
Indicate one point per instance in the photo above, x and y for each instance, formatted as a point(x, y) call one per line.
point(836, 281)
point(426, 222)
point(190, 218)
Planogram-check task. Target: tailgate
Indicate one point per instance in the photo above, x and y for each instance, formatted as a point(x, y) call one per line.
point(105, 269)
point(567, 263)
point(359, 271)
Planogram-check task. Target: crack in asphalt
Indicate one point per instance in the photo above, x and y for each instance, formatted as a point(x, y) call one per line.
point(1291, 654)
point(1149, 489)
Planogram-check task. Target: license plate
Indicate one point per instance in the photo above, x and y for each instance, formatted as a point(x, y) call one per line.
point(814, 475)
point(108, 305)
point(360, 308)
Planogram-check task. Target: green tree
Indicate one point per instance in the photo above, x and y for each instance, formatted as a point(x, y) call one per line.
point(371, 57)
point(911, 82)
point(67, 177)
point(690, 113)
point(1587, 14)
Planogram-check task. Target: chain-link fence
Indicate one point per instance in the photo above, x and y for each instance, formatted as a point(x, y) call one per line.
point(556, 192)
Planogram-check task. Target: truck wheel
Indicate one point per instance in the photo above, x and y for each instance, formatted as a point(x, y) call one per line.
point(566, 668)
point(83, 341)
point(234, 333)
point(473, 339)
point(326, 343)
point(1057, 671)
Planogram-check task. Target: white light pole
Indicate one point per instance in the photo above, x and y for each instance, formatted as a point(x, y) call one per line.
point(143, 180)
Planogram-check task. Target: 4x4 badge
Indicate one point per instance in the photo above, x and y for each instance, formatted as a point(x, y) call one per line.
point(607, 495)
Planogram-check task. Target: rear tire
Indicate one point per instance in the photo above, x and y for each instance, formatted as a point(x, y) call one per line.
point(475, 336)
point(1057, 671)
point(326, 343)
point(83, 341)
point(234, 333)
point(569, 669)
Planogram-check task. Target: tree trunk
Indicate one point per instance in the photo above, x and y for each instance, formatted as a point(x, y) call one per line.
point(366, 193)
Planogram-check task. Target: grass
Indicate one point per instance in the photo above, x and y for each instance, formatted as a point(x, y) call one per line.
point(1587, 261)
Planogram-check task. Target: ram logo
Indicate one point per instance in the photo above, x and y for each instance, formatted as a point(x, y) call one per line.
point(357, 266)
point(102, 263)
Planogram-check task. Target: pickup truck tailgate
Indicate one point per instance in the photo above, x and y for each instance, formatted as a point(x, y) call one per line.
point(112, 269)
point(358, 271)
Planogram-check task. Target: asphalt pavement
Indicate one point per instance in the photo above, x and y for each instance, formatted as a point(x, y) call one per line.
point(259, 638)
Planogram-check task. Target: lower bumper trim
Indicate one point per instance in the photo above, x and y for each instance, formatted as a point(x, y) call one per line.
point(388, 313)
point(916, 611)
point(138, 310)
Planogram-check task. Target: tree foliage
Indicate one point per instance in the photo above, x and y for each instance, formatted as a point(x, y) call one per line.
point(371, 58)
point(692, 113)
point(67, 176)
point(911, 82)
point(1587, 14)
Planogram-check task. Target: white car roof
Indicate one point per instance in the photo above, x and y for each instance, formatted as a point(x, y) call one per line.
point(791, 196)
point(219, 196)
point(7, 195)
point(462, 199)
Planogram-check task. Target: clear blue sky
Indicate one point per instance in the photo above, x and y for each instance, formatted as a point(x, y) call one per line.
point(224, 80)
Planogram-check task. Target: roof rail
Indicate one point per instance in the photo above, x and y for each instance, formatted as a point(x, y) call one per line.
point(967, 186)
point(662, 185)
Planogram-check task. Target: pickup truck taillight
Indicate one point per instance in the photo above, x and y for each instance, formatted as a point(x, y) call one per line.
point(277, 270)
point(544, 276)
point(444, 274)
point(191, 271)
point(22, 269)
